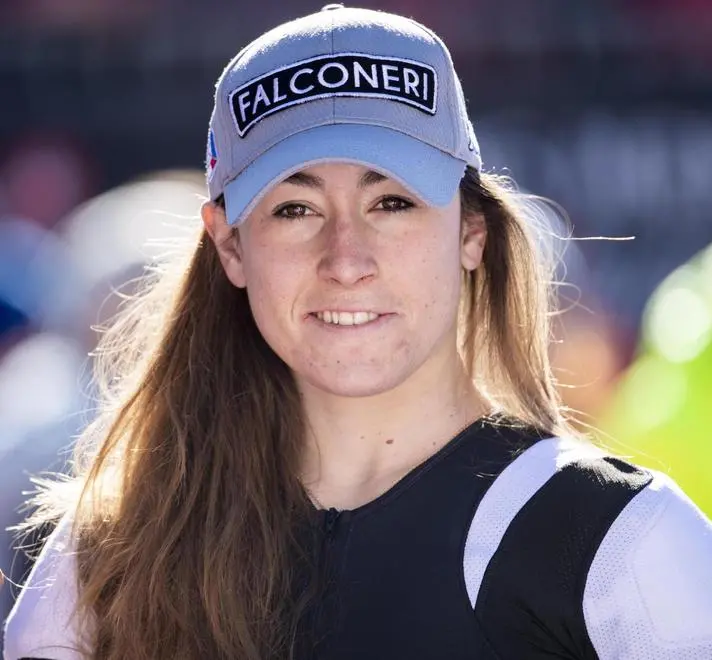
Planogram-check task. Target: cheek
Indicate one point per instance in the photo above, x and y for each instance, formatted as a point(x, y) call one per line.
point(273, 279)
point(268, 269)
point(437, 272)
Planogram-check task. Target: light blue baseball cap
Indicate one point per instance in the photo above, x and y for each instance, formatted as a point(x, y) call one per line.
point(345, 85)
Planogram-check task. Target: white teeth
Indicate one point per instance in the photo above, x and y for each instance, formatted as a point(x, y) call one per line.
point(346, 318)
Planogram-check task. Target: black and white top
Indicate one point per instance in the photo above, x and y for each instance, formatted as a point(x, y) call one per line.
point(503, 545)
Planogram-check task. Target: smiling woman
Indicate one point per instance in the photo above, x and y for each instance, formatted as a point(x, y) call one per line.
point(333, 432)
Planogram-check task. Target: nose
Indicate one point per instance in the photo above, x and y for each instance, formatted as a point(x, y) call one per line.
point(348, 255)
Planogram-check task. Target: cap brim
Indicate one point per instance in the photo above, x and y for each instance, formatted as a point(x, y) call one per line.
point(430, 174)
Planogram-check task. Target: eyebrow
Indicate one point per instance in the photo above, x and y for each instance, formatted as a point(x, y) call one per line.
point(306, 180)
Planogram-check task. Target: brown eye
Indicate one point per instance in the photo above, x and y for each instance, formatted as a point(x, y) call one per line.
point(394, 204)
point(291, 211)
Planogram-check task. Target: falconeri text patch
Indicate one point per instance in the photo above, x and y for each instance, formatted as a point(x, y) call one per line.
point(349, 74)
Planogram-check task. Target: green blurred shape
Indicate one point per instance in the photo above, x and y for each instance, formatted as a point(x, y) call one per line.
point(661, 411)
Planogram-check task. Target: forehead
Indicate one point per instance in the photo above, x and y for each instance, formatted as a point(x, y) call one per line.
point(339, 175)
point(322, 175)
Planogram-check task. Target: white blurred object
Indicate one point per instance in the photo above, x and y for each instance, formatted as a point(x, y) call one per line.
point(133, 224)
point(39, 386)
point(36, 274)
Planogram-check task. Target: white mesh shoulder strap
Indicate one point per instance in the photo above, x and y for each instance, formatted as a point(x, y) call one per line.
point(649, 590)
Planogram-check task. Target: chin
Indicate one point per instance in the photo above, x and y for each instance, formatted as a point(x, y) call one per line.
point(354, 385)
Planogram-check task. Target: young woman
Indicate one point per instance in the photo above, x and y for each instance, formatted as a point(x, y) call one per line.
point(334, 433)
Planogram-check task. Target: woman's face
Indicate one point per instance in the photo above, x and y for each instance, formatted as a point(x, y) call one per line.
point(352, 281)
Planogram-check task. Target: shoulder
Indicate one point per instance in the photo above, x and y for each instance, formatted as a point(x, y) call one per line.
point(42, 623)
point(588, 546)
point(649, 588)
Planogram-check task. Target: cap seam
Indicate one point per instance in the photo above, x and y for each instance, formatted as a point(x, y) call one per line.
point(333, 51)
point(449, 65)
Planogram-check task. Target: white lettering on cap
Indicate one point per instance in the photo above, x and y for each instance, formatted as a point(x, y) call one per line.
point(360, 72)
point(293, 82)
point(333, 65)
point(390, 77)
point(411, 81)
point(345, 75)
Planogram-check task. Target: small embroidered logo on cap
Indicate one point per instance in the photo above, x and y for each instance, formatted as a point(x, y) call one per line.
point(347, 74)
point(211, 156)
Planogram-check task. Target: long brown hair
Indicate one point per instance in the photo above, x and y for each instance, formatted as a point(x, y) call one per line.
point(188, 498)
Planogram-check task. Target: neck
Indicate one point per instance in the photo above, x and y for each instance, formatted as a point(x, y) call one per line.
point(358, 447)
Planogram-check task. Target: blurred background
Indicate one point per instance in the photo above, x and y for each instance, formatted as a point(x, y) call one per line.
point(604, 106)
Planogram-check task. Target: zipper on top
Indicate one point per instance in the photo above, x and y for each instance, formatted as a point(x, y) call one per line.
point(331, 519)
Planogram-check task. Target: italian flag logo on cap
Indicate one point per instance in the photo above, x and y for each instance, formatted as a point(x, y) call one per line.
point(211, 158)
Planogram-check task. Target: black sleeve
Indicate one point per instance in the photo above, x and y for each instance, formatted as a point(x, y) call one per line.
point(530, 604)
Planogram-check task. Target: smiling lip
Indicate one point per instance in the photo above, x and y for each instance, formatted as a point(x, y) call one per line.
point(351, 318)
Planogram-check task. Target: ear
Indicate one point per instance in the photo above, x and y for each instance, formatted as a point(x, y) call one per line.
point(474, 235)
point(227, 242)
